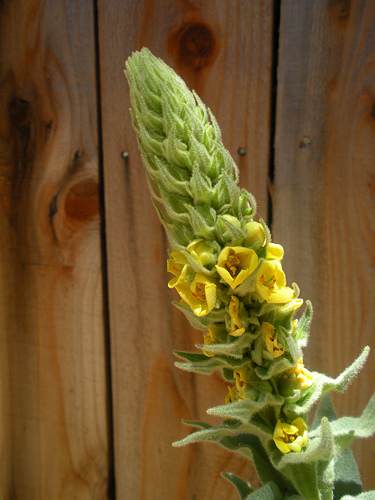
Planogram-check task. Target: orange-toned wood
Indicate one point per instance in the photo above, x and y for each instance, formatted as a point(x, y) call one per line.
point(324, 185)
point(53, 398)
point(223, 50)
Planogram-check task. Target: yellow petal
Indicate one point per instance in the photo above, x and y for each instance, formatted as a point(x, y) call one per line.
point(278, 432)
point(283, 447)
point(275, 252)
point(237, 333)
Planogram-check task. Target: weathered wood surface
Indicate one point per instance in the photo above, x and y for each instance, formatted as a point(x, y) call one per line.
point(323, 195)
point(55, 439)
point(224, 52)
point(53, 399)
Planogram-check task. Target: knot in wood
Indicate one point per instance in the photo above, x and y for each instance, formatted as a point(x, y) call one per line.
point(20, 113)
point(339, 11)
point(82, 201)
point(195, 43)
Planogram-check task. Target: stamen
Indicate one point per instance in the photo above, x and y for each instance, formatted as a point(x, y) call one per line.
point(268, 282)
point(289, 438)
point(200, 293)
point(232, 265)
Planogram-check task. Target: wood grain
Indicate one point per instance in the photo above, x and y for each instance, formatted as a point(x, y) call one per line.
point(323, 195)
point(224, 52)
point(53, 423)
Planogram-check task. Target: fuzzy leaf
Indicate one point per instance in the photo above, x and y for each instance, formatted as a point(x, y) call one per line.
point(244, 410)
point(234, 349)
point(268, 492)
point(347, 478)
point(325, 409)
point(196, 423)
point(303, 327)
point(243, 487)
point(346, 429)
point(207, 365)
point(326, 478)
point(250, 447)
point(209, 434)
point(324, 384)
point(304, 479)
point(368, 495)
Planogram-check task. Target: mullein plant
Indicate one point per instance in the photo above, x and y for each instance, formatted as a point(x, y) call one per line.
point(229, 277)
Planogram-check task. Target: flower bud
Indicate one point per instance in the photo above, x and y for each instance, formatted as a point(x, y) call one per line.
point(255, 235)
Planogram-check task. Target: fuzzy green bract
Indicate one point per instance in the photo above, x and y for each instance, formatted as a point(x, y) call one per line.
point(228, 274)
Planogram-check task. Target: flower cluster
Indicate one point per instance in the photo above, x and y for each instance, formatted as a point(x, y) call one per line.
point(229, 277)
point(239, 296)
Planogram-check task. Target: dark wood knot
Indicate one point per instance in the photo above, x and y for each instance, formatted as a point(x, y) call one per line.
point(82, 201)
point(20, 113)
point(195, 42)
point(339, 11)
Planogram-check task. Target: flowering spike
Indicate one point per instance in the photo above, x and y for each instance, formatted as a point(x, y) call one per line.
point(229, 277)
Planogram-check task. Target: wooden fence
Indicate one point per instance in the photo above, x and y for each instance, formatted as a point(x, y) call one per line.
point(89, 398)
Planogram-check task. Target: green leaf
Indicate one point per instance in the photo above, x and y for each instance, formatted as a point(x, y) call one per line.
point(234, 349)
point(245, 410)
point(243, 487)
point(194, 357)
point(304, 478)
point(303, 327)
point(196, 423)
point(324, 384)
point(207, 365)
point(268, 492)
point(209, 434)
point(251, 447)
point(326, 478)
point(346, 429)
point(203, 322)
point(368, 495)
point(347, 478)
point(325, 409)
point(361, 427)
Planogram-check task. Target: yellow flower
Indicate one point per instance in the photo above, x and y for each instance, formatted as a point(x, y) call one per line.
point(203, 252)
point(274, 252)
point(270, 283)
point(231, 396)
point(200, 295)
point(235, 264)
point(291, 437)
point(236, 327)
point(271, 340)
point(304, 377)
point(175, 266)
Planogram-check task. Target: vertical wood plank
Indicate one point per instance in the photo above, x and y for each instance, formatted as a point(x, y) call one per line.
point(53, 423)
point(324, 184)
point(223, 50)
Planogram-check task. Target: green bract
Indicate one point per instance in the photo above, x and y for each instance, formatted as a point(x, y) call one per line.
point(229, 277)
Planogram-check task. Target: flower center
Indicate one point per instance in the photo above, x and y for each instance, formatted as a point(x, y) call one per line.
point(200, 293)
point(289, 438)
point(232, 264)
point(268, 281)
